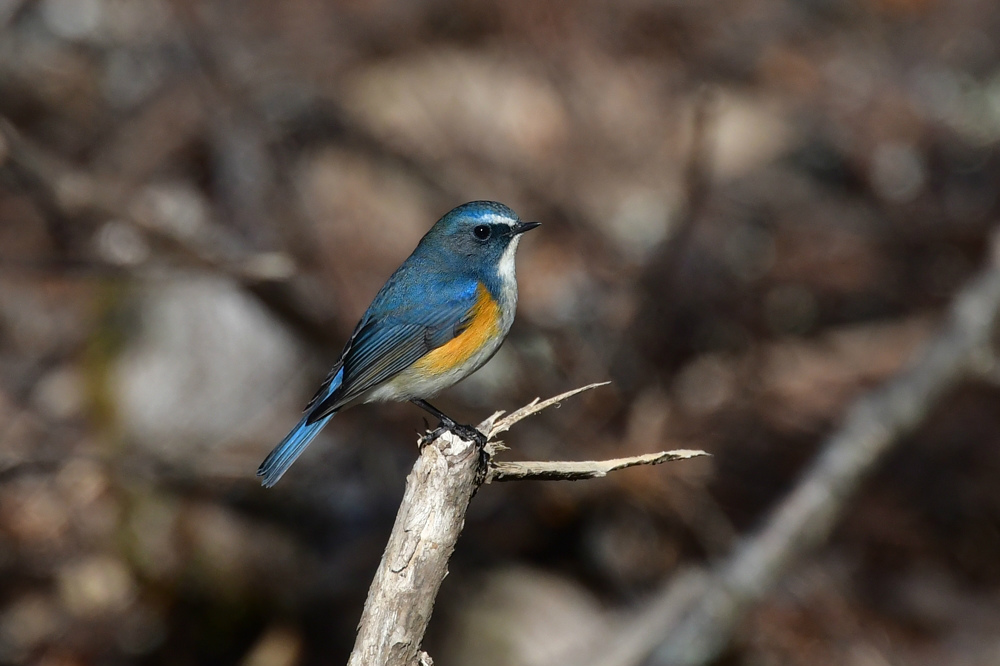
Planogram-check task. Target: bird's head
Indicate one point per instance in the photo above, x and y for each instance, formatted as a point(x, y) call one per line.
point(479, 235)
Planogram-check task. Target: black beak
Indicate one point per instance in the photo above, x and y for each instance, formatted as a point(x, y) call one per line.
point(521, 227)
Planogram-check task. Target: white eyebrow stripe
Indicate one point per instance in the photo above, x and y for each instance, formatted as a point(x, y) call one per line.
point(495, 218)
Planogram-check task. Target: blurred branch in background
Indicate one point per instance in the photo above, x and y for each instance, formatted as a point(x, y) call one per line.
point(691, 621)
point(68, 196)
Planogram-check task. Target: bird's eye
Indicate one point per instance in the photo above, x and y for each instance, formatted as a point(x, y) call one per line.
point(481, 231)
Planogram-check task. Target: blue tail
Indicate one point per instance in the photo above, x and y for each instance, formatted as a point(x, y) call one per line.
point(281, 458)
point(291, 447)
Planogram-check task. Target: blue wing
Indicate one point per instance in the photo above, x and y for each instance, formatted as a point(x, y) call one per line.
point(379, 348)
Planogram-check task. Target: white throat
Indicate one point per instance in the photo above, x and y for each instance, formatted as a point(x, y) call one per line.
point(505, 268)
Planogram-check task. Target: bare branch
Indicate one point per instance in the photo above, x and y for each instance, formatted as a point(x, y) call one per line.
point(493, 427)
point(558, 470)
point(430, 519)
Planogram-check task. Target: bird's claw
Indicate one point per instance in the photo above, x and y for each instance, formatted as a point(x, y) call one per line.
point(469, 433)
point(466, 432)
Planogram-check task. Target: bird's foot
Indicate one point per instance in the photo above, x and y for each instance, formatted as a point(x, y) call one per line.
point(469, 433)
point(466, 432)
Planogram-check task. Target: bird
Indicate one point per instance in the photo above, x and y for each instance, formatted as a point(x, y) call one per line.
point(436, 320)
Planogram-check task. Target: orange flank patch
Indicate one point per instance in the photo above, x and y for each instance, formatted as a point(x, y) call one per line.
point(484, 326)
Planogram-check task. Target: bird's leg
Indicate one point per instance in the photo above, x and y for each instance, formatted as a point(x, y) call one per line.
point(447, 423)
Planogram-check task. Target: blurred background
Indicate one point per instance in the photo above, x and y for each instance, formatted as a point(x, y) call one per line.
point(754, 211)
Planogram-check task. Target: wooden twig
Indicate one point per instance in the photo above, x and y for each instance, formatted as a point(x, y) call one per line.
point(446, 475)
point(498, 423)
point(559, 470)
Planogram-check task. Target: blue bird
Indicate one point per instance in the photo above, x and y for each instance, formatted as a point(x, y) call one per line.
point(438, 318)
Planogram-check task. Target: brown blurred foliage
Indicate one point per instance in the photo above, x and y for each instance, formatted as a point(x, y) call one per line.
point(753, 211)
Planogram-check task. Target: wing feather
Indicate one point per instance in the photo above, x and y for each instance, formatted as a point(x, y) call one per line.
point(381, 348)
